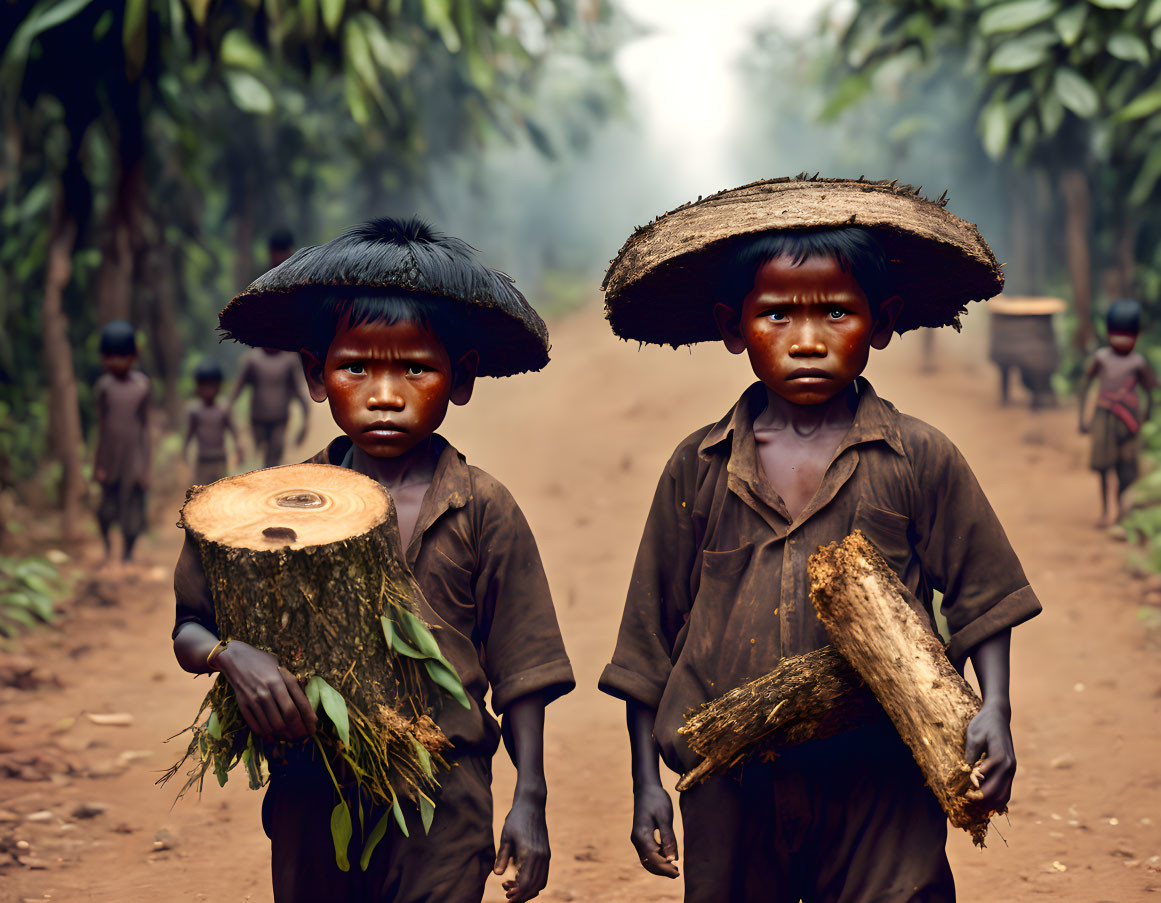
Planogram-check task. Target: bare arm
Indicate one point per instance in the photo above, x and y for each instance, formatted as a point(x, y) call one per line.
point(189, 435)
point(1090, 374)
point(991, 730)
point(652, 807)
point(244, 379)
point(525, 834)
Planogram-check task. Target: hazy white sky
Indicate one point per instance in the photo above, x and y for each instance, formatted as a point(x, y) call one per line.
point(682, 82)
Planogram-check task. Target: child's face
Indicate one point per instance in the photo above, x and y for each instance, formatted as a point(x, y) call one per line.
point(808, 329)
point(388, 384)
point(1122, 342)
point(207, 390)
point(117, 364)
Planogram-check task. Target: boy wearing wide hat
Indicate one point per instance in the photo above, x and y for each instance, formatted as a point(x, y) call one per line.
point(393, 321)
point(804, 276)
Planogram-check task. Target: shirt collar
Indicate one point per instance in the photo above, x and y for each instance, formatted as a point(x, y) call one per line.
point(876, 420)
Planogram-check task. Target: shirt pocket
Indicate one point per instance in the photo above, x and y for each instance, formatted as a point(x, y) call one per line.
point(720, 584)
point(449, 590)
point(887, 531)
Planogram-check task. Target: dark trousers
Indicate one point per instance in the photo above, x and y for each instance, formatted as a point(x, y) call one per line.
point(122, 503)
point(845, 820)
point(448, 865)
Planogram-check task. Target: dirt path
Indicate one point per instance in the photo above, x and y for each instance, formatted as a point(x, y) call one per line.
point(581, 447)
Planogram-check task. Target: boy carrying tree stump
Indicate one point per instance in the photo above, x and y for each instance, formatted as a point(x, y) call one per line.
point(804, 276)
point(393, 321)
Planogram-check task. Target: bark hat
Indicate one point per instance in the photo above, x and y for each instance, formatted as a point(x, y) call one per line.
point(393, 257)
point(660, 288)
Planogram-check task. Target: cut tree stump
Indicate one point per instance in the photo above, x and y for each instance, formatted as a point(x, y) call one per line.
point(872, 619)
point(303, 561)
point(806, 697)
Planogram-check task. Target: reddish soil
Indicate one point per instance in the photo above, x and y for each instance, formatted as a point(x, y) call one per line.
point(581, 446)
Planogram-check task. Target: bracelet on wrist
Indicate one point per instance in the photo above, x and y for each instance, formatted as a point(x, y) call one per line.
point(215, 652)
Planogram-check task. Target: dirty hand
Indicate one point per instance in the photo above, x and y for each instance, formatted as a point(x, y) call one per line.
point(525, 840)
point(269, 697)
point(990, 733)
point(653, 811)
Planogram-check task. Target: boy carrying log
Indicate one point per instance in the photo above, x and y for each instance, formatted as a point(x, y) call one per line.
point(805, 277)
point(1122, 376)
point(392, 322)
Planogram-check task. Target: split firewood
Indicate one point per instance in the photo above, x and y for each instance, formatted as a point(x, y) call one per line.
point(306, 563)
point(806, 697)
point(873, 620)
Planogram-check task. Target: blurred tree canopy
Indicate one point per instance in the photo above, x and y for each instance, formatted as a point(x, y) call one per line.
point(151, 145)
point(1065, 95)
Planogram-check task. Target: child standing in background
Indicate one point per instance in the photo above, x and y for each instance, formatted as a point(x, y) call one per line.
point(209, 422)
point(121, 463)
point(1116, 421)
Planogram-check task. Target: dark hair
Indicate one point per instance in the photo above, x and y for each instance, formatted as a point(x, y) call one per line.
point(443, 318)
point(118, 338)
point(855, 248)
point(281, 240)
point(1124, 316)
point(208, 372)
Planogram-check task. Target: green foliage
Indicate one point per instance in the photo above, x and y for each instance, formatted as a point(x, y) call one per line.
point(29, 588)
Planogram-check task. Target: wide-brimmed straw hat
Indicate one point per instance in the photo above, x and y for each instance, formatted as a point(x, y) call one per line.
point(660, 288)
point(392, 256)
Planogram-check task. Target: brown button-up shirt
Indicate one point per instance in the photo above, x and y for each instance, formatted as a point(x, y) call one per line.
point(476, 561)
point(719, 591)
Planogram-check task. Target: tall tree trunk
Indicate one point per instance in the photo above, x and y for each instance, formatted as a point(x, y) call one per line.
point(1017, 265)
point(123, 222)
point(66, 440)
point(1078, 220)
point(158, 308)
point(1121, 277)
point(244, 239)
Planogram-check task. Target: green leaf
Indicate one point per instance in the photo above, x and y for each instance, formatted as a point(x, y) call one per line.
point(134, 36)
point(357, 53)
point(1075, 92)
point(313, 692)
point(336, 708)
point(44, 17)
point(1126, 46)
point(426, 812)
point(437, 15)
point(341, 834)
point(442, 675)
point(395, 642)
point(332, 14)
point(423, 754)
point(849, 92)
point(1051, 114)
point(1113, 4)
point(248, 93)
point(214, 726)
point(239, 51)
point(995, 129)
point(420, 635)
point(1144, 104)
point(1153, 14)
point(1016, 16)
point(1020, 54)
point(377, 834)
point(1146, 180)
point(397, 811)
point(1069, 23)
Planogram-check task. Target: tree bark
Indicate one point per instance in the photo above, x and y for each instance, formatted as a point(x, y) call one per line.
point(66, 440)
point(1078, 223)
point(872, 620)
point(806, 697)
point(304, 562)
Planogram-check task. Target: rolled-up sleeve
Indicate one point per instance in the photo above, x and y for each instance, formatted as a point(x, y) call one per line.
point(658, 602)
point(963, 549)
point(523, 651)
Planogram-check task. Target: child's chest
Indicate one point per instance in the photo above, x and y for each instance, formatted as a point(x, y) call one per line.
point(794, 465)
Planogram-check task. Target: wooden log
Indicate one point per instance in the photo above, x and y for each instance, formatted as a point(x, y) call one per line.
point(872, 619)
point(305, 562)
point(806, 697)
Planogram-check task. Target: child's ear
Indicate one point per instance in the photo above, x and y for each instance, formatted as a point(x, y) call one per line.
point(464, 377)
point(884, 327)
point(729, 325)
point(312, 369)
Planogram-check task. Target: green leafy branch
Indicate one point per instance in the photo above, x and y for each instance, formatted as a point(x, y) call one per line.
point(29, 588)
